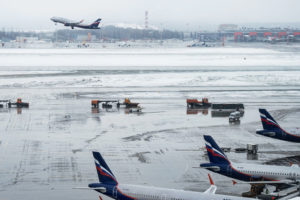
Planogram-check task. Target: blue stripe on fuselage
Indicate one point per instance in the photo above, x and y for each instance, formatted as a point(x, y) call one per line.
point(109, 191)
point(229, 171)
point(280, 134)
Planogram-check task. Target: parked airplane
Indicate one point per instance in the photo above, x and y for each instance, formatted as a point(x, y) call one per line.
point(252, 173)
point(109, 186)
point(78, 24)
point(272, 129)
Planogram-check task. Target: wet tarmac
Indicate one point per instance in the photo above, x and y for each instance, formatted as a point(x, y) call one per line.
point(45, 150)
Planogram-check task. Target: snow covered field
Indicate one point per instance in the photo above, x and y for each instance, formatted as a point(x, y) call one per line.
point(46, 150)
point(152, 58)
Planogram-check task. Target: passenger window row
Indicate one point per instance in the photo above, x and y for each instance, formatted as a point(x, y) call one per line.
point(146, 196)
point(270, 173)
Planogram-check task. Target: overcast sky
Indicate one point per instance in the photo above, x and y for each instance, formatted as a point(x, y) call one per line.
point(176, 14)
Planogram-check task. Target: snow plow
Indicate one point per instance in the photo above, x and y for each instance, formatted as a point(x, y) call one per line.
point(109, 103)
point(18, 104)
point(195, 103)
point(128, 104)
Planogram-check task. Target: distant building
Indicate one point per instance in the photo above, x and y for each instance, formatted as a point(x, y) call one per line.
point(228, 27)
point(86, 37)
point(26, 39)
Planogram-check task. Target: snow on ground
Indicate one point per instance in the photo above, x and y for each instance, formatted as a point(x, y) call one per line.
point(45, 150)
point(47, 59)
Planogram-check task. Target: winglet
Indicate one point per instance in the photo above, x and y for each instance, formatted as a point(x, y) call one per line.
point(234, 182)
point(210, 180)
point(212, 189)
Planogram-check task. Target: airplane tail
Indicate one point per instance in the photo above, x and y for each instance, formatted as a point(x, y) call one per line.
point(105, 175)
point(215, 153)
point(267, 120)
point(96, 23)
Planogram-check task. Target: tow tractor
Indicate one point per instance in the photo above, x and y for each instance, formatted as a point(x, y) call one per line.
point(18, 104)
point(128, 104)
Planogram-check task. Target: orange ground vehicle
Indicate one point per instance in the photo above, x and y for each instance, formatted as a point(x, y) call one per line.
point(129, 104)
point(18, 104)
point(195, 103)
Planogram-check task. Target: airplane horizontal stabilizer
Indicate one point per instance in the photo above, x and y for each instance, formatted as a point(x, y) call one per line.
point(213, 168)
point(101, 189)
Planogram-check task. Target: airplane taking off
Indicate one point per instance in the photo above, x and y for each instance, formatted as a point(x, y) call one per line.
point(272, 129)
point(251, 173)
point(78, 24)
point(109, 186)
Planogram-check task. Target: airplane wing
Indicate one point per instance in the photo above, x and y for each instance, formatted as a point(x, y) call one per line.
point(212, 189)
point(296, 198)
point(294, 165)
point(101, 189)
point(73, 23)
point(214, 168)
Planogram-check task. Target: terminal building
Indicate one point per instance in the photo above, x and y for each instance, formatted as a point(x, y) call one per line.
point(231, 32)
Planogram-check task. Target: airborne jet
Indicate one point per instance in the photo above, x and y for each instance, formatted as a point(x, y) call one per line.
point(77, 24)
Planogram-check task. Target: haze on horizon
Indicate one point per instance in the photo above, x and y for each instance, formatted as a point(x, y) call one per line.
point(172, 14)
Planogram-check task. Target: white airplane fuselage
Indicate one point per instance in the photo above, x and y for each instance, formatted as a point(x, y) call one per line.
point(267, 172)
point(62, 20)
point(131, 192)
point(109, 186)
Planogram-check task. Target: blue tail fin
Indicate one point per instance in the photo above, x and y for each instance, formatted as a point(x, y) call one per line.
point(105, 175)
point(267, 120)
point(215, 153)
point(96, 23)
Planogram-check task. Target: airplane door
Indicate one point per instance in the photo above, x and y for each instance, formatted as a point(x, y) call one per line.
point(115, 192)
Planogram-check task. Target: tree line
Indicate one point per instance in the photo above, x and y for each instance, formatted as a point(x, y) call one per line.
point(105, 33)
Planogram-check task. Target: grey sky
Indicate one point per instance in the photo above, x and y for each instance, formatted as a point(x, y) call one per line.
point(35, 14)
